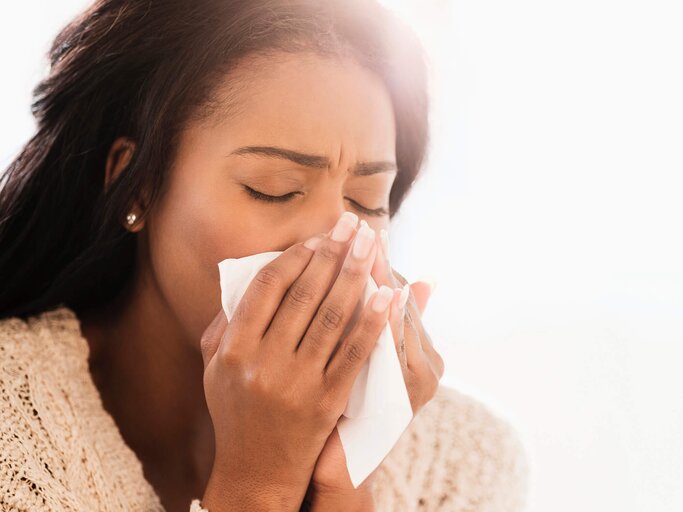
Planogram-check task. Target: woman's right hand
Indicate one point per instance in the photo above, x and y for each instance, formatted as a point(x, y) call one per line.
point(278, 377)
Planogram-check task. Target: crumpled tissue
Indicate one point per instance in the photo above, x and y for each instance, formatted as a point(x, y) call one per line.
point(378, 410)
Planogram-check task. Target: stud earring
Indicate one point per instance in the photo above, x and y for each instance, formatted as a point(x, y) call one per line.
point(131, 218)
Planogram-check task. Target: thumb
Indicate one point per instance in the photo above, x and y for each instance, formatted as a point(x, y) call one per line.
point(212, 336)
point(422, 290)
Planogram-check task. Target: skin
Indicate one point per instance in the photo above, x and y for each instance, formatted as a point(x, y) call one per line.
point(152, 334)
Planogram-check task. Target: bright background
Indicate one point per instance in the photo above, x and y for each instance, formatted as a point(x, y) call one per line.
point(549, 213)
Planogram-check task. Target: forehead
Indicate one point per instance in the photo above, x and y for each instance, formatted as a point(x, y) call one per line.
point(311, 103)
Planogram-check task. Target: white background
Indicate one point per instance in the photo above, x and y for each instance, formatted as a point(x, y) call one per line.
point(550, 216)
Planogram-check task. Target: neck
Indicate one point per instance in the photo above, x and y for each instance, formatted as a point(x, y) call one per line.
point(150, 377)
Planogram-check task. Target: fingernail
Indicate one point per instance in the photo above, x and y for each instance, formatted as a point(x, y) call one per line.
point(405, 291)
point(345, 227)
point(362, 244)
point(382, 299)
point(312, 242)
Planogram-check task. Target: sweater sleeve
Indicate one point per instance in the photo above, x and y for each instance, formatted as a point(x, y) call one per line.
point(455, 456)
point(196, 506)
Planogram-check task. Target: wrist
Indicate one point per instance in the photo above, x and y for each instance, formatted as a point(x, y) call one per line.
point(223, 495)
point(356, 500)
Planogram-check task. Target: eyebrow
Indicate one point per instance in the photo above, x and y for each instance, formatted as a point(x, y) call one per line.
point(314, 161)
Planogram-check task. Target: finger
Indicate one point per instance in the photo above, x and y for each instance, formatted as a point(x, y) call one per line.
point(346, 362)
point(421, 379)
point(434, 358)
point(211, 338)
point(381, 270)
point(302, 300)
point(422, 292)
point(415, 356)
point(429, 353)
point(264, 294)
point(382, 274)
point(334, 315)
point(397, 322)
point(436, 362)
point(402, 281)
point(415, 316)
point(418, 295)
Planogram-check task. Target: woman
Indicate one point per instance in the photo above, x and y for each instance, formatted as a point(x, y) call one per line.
point(172, 135)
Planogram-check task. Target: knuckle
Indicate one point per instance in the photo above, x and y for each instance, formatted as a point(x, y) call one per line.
point(255, 382)
point(207, 346)
point(207, 341)
point(328, 252)
point(331, 316)
point(229, 356)
point(351, 273)
point(353, 352)
point(327, 407)
point(372, 323)
point(314, 342)
point(300, 295)
point(301, 252)
point(242, 313)
point(267, 277)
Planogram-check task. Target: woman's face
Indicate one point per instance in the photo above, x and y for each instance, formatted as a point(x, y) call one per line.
point(320, 131)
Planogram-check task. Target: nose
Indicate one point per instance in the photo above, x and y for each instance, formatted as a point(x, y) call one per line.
point(325, 223)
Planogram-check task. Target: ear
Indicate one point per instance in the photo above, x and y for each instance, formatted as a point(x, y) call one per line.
point(120, 154)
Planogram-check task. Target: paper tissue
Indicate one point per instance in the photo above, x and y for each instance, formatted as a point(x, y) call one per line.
point(378, 410)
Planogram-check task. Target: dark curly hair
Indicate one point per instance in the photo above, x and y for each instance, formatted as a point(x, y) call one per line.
point(142, 69)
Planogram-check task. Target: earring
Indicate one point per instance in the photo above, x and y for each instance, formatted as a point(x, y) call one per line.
point(131, 218)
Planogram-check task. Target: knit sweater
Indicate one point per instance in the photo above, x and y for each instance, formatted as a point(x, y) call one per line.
point(60, 450)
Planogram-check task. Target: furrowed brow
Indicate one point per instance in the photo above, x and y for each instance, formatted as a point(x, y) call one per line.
point(313, 161)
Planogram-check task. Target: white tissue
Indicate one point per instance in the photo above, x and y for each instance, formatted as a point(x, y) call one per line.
point(378, 410)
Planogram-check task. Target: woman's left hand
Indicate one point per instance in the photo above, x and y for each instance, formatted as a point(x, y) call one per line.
point(421, 364)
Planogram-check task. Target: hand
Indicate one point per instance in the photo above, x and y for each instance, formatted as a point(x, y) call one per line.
point(422, 369)
point(277, 379)
point(341, 496)
point(422, 365)
point(331, 476)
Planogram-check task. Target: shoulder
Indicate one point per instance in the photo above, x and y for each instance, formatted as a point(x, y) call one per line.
point(62, 450)
point(41, 335)
point(456, 455)
point(42, 353)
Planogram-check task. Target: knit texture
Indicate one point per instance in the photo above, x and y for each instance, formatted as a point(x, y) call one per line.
point(60, 450)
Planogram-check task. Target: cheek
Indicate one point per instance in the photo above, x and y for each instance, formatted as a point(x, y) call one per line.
point(192, 229)
point(189, 234)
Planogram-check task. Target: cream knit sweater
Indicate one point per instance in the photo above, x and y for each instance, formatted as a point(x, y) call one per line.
point(61, 451)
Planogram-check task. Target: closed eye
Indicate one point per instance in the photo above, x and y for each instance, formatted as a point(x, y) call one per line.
point(378, 212)
point(271, 199)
